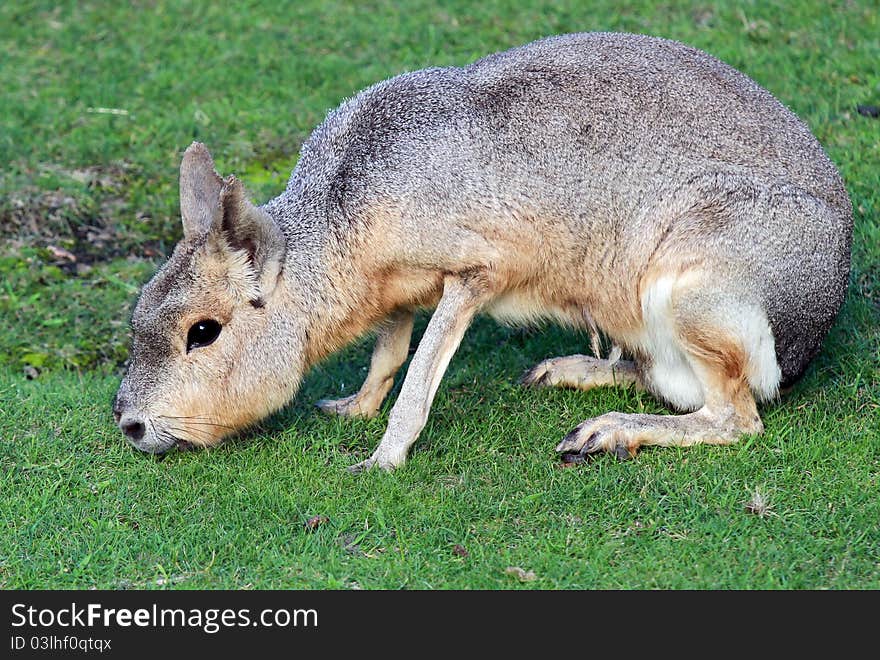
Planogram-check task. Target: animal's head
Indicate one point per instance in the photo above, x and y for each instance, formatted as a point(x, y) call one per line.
point(213, 347)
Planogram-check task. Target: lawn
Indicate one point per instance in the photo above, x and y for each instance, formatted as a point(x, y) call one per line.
point(97, 102)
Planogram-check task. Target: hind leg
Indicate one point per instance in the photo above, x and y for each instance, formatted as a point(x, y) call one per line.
point(704, 357)
point(582, 372)
point(730, 413)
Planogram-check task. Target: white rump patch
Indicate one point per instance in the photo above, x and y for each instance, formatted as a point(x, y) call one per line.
point(762, 369)
point(671, 376)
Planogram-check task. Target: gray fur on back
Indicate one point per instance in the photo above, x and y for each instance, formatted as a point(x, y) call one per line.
point(623, 137)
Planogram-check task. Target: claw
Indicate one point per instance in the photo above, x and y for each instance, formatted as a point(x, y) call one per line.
point(568, 444)
point(608, 432)
point(592, 443)
point(540, 374)
point(374, 462)
point(530, 378)
point(329, 406)
point(573, 457)
point(572, 442)
point(363, 466)
point(346, 407)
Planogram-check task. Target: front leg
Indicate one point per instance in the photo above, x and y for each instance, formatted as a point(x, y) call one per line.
point(392, 346)
point(461, 300)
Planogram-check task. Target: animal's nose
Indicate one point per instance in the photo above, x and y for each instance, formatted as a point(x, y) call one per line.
point(133, 428)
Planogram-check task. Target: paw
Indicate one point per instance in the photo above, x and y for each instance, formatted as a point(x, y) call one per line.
point(611, 432)
point(568, 371)
point(576, 371)
point(350, 406)
point(377, 460)
point(363, 466)
point(539, 375)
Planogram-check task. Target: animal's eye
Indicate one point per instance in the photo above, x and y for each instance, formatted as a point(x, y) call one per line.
point(202, 333)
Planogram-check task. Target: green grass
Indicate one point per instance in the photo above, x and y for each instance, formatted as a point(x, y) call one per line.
point(82, 509)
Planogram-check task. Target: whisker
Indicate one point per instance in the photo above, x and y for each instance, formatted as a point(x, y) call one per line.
point(159, 433)
point(222, 426)
point(196, 420)
point(204, 430)
point(198, 433)
point(181, 435)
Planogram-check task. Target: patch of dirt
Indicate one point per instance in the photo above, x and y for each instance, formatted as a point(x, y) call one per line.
point(31, 212)
point(83, 226)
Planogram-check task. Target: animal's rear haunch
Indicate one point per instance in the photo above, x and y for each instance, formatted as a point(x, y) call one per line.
point(626, 185)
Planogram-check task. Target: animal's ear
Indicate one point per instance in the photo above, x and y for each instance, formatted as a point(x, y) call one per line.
point(250, 231)
point(200, 190)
